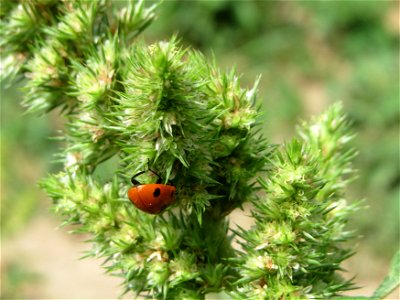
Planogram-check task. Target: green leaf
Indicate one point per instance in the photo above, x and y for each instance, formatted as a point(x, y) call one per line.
point(392, 280)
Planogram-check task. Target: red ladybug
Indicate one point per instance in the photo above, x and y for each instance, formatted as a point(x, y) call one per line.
point(151, 198)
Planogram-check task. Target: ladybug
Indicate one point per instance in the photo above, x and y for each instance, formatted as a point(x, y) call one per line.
point(152, 198)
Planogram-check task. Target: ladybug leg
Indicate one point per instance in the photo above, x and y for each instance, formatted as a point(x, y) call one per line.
point(159, 180)
point(134, 181)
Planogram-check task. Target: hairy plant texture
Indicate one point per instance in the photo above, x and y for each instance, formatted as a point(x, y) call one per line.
point(135, 106)
point(296, 247)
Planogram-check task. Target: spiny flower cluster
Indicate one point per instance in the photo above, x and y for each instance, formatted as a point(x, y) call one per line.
point(170, 256)
point(44, 39)
point(296, 246)
point(130, 106)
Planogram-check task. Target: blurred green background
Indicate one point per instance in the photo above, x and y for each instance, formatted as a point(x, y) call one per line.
point(310, 54)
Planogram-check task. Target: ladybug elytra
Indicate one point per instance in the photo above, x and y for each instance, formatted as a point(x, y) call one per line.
point(151, 198)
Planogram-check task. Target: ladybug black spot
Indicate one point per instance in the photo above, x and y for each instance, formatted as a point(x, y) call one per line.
point(156, 192)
